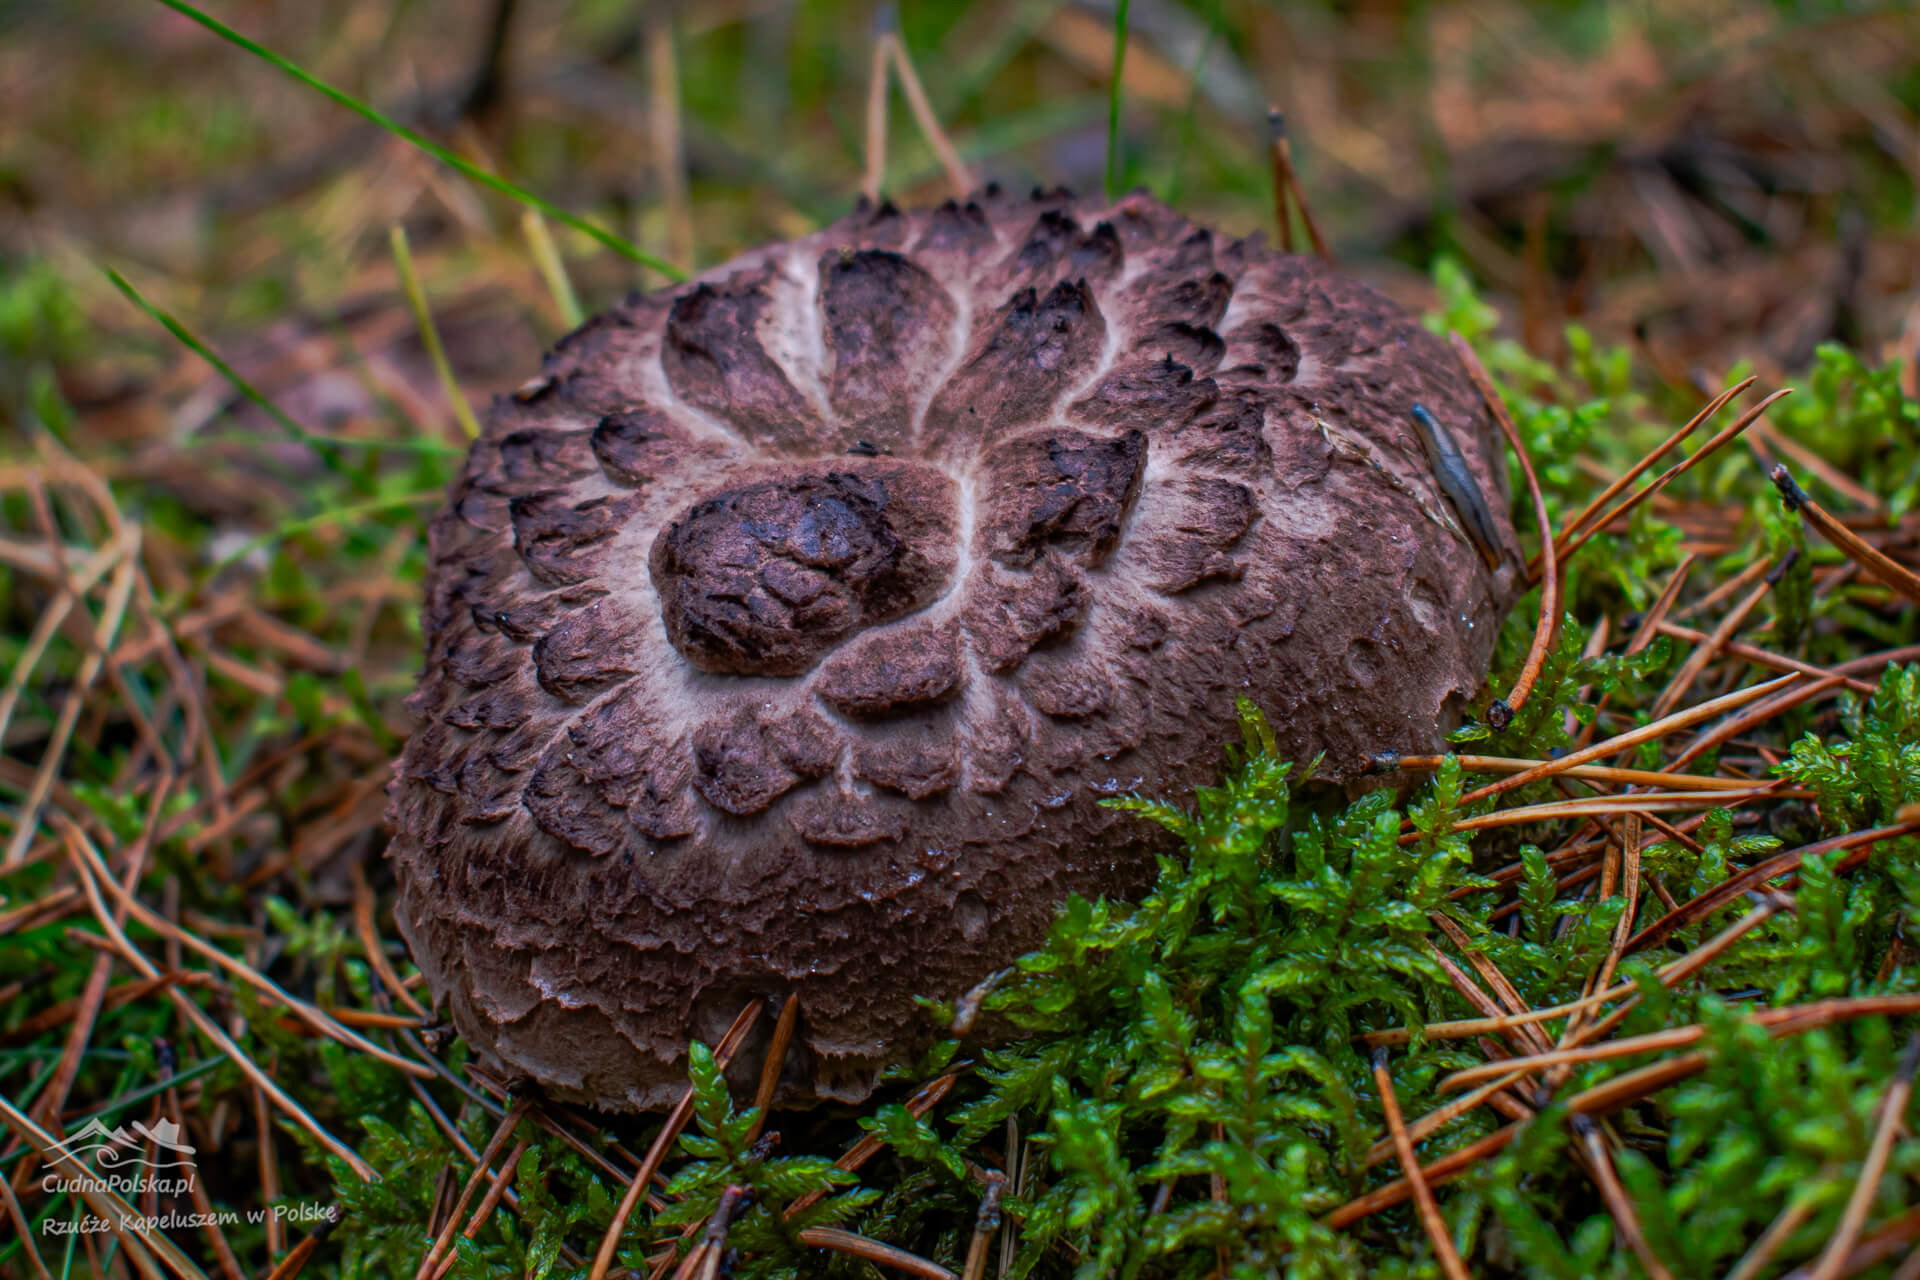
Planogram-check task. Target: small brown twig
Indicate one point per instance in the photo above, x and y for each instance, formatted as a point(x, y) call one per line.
point(1612, 491)
point(776, 1060)
point(1760, 657)
point(985, 1224)
point(1857, 549)
point(869, 1147)
point(1736, 885)
point(663, 1142)
point(667, 137)
point(1634, 737)
point(482, 1172)
point(1280, 158)
point(884, 1255)
point(1500, 714)
point(1282, 148)
point(1703, 654)
point(1425, 1206)
point(1599, 1163)
point(959, 177)
point(1854, 1217)
point(1671, 474)
point(1779, 1022)
point(296, 1261)
point(496, 1188)
point(1591, 772)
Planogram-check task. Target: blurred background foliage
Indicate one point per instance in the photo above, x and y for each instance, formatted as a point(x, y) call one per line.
point(1710, 181)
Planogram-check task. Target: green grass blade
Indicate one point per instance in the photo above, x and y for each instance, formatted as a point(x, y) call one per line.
point(616, 243)
point(429, 335)
point(201, 349)
point(313, 439)
point(1113, 102)
point(321, 519)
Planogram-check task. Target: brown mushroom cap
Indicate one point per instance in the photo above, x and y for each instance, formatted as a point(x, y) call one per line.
point(785, 636)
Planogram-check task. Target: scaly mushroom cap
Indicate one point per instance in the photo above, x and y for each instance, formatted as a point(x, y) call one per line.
point(786, 634)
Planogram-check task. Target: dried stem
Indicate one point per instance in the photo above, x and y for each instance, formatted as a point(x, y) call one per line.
point(776, 1059)
point(1672, 473)
point(1857, 549)
point(663, 1142)
point(1501, 713)
point(959, 177)
point(1892, 1108)
point(1612, 491)
point(884, 1255)
point(1424, 1204)
point(1280, 158)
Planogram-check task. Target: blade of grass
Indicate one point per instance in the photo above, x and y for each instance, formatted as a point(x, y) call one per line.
point(259, 398)
point(429, 335)
point(546, 256)
point(1113, 99)
point(320, 519)
point(465, 168)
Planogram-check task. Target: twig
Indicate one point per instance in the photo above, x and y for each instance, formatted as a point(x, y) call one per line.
point(296, 1262)
point(1697, 661)
point(1734, 886)
point(1672, 473)
point(1283, 158)
point(1500, 714)
point(76, 839)
point(18, 1217)
point(119, 592)
point(868, 1147)
point(370, 943)
point(873, 1251)
point(482, 1172)
point(312, 1015)
point(1760, 657)
point(1863, 553)
point(1427, 1208)
point(1892, 1108)
point(666, 135)
point(1779, 1022)
point(1614, 490)
point(776, 1059)
point(1634, 737)
point(669, 1130)
point(1281, 161)
point(1593, 772)
point(1600, 1165)
point(985, 1223)
point(959, 177)
point(125, 1220)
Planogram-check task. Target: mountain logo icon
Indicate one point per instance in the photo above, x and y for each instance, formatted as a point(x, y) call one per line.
point(112, 1148)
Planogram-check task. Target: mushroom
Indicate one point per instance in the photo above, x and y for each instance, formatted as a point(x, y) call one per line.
point(785, 635)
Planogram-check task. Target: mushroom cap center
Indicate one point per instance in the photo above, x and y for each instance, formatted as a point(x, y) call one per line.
point(765, 578)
